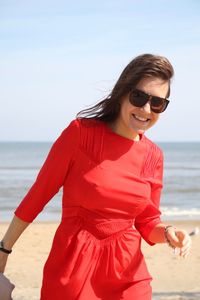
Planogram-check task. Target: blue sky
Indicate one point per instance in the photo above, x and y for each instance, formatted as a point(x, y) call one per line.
point(58, 57)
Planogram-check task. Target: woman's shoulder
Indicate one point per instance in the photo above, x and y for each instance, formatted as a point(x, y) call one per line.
point(153, 159)
point(89, 122)
point(83, 126)
point(88, 133)
point(153, 148)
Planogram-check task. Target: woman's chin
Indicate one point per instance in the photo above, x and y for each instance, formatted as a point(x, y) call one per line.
point(138, 130)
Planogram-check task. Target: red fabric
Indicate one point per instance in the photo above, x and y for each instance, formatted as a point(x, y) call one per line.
point(111, 193)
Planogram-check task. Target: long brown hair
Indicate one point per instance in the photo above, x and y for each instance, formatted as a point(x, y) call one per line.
point(146, 65)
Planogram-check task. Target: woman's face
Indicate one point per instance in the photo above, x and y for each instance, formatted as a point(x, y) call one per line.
point(134, 120)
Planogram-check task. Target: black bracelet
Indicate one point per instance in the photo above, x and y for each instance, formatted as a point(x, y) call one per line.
point(2, 249)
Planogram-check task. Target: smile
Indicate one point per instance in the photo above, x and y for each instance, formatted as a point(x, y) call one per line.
point(140, 118)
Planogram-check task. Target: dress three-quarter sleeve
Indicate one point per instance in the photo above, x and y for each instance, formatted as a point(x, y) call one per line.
point(150, 216)
point(52, 174)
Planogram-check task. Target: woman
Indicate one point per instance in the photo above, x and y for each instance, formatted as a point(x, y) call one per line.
point(112, 179)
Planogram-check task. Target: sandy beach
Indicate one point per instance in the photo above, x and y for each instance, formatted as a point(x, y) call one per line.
point(174, 278)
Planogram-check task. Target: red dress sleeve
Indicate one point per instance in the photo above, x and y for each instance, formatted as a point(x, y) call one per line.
point(150, 216)
point(52, 174)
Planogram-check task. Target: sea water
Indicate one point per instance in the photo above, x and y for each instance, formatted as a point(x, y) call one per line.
point(21, 161)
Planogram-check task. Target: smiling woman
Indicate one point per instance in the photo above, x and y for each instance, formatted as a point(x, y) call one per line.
point(134, 120)
point(111, 176)
point(127, 112)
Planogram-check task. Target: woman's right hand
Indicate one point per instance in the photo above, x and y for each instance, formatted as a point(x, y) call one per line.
point(3, 261)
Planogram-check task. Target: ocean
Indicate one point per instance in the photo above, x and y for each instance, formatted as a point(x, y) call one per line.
point(21, 161)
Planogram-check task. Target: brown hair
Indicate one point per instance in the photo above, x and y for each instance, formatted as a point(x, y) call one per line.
point(146, 65)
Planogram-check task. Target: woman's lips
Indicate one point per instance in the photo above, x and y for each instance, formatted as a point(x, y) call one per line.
point(140, 119)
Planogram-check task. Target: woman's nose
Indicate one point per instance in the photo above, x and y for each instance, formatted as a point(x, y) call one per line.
point(147, 107)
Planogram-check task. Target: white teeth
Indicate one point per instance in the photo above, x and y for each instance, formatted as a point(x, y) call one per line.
point(140, 119)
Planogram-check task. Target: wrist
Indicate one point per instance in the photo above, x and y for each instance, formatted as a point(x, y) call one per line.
point(4, 249)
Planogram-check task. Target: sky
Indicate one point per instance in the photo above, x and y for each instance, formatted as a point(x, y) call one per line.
point(58, 57)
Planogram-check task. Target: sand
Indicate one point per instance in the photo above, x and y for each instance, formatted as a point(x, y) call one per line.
point(175, 278)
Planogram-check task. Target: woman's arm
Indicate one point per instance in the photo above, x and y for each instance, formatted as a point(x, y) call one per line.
point(177, 238)
point(17, 226)
point(48, 182)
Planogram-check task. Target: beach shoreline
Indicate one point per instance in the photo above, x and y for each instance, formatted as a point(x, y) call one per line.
point(174, 278)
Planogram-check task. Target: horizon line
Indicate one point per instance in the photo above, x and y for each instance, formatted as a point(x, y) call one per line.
point(52, 141)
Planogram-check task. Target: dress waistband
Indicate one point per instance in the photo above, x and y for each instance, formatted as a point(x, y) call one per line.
point(96, 224)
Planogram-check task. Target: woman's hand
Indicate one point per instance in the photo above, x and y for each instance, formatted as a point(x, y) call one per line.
point(179, 239)
point(3, 261)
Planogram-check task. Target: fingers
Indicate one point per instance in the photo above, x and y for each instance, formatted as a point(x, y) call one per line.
point(180, 239)
point(185, 250)
point(172, 238)
point(184, 253)
point(183, 237)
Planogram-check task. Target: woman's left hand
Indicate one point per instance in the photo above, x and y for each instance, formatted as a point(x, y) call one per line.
point(179, 239)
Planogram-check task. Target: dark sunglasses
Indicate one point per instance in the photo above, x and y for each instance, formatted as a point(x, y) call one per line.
point(139, 99)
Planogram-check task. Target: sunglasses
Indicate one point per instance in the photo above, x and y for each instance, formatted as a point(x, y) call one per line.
point(139, 99)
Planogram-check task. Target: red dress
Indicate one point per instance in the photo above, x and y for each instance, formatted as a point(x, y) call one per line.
point(111, 192)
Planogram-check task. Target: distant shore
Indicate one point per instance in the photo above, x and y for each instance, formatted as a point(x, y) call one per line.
point(174, 278)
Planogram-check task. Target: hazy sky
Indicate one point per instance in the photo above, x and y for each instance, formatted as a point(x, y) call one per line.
point(58, 57)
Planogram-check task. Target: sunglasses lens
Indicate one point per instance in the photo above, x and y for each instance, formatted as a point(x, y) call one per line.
point(138, 98)
point(158, 105)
